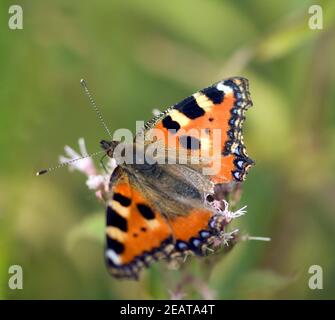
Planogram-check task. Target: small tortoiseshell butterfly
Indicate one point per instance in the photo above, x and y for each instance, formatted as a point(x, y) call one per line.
point(161, 210)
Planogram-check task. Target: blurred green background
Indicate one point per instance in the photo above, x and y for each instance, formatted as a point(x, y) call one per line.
point(138, 55)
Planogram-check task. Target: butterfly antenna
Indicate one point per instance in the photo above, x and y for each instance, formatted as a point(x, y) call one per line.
point(95, 107)
point(247, 237)
point(64, 164)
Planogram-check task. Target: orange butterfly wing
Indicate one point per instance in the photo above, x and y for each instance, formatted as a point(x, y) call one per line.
point(134, 231)
point(220, 107)
point(137, 234)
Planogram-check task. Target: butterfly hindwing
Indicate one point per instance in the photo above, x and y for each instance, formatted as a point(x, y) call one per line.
point(192, 231)
point(138, 231)
point(135, 232)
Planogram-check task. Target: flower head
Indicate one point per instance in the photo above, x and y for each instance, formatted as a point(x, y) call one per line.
point(97, 180)
point(84, 165)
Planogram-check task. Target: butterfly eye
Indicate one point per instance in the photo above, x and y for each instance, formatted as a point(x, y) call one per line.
point(108, 145)
point(105, 144)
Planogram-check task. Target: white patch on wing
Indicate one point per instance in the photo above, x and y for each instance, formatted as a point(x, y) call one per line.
point(113, 256)
point(226, 89)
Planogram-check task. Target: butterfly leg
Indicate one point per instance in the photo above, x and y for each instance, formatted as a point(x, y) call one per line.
point(102, 163)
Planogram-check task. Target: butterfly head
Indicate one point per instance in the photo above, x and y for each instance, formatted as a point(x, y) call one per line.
point(109, 146)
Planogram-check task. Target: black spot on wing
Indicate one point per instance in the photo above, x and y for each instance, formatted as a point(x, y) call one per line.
point(189, 142)
point(124, 201)
point(115, 245)
point(170, 124)
point(213, 94)
point(145, 211)
point(190, 108)
point(115, 220)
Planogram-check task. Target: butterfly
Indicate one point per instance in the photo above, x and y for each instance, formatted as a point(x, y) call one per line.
point(161, 210)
